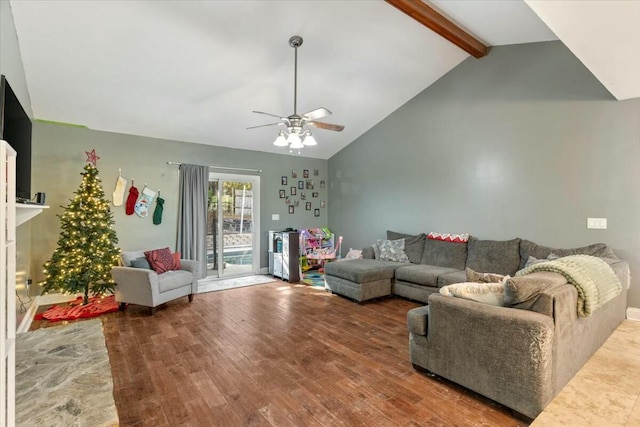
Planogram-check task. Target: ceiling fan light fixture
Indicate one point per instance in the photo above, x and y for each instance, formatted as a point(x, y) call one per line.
point(281, 141)
point(309, 140)
point(295, 141)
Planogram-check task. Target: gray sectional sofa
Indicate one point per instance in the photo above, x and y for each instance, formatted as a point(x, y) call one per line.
point(520, 354)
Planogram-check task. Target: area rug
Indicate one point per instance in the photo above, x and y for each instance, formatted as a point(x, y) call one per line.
point(314, 278)
point(63, 377)
point(75, 310)
point(212, 285)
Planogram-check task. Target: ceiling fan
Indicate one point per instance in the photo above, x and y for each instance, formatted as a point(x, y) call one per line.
point(295, 135)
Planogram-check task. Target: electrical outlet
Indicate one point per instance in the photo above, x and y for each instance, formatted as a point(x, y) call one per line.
point(597, 223)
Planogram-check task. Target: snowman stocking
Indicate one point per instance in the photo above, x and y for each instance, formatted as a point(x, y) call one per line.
point(144, 202)
point(118, 193)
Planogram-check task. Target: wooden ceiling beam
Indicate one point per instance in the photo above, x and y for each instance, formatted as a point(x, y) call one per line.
point(432, 19)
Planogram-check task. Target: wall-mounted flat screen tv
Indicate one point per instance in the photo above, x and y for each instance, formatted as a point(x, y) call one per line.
point(15, 128)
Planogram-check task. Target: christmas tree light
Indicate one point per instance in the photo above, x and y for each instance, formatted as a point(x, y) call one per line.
point(87, 243)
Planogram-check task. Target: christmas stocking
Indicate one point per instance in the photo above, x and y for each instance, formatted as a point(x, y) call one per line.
point(118, 193)
point(131, 199)
point(157, 213)
point(144, 201)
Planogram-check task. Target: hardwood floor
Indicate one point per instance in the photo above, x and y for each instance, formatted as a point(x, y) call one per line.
point(278, 355)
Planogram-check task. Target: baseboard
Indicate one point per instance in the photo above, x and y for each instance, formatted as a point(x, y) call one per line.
point(47, 299)
point(264, 270)
point(633, 313)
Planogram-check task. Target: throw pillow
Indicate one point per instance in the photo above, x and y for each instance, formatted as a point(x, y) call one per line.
point(141, 263)
point(392, 250)
point(486, 293)
point(474, 276)
point(449, 237)
point(527, 288)
point(413, 245)
point(161, 260)
point(353, 254)
point(531, 260)
point(176, 261)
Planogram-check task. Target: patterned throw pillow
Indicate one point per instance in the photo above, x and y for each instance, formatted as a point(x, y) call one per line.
point(486, 293)
point(392, 250)
point(161, 260)
point(448, 237)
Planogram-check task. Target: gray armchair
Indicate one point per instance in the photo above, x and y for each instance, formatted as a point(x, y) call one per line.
point(146, 287)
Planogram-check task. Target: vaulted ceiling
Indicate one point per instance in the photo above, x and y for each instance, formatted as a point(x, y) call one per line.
point(194, 70)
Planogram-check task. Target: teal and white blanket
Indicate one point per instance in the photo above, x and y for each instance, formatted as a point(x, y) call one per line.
point(593, 278)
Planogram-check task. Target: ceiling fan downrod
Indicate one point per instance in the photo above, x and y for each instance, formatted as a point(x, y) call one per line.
point(295, 42)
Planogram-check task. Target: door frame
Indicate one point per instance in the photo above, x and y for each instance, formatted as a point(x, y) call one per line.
point(255, 219)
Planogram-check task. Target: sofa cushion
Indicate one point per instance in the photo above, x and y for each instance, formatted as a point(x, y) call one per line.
point(413, 245)
point(141, 263)
point(474, 276)
point(529, 248)
point(521, 289)
point(451, 278)
point(486, 293)
point(494, 256)
point(174, 279)
point(421, 274)
point(392, 250)
point(444, 254)
point(362, 270)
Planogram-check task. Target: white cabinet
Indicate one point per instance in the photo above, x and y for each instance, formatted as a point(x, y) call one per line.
point(7, 283)
point(284, 255)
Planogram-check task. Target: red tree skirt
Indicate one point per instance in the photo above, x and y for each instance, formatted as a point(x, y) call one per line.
point(75, 309)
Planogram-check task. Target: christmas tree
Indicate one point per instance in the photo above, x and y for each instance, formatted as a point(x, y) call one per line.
point(87, 244)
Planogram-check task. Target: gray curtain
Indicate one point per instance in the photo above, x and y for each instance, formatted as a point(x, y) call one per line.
point(192, 215)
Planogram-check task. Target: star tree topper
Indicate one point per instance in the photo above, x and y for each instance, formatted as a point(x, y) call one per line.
point(92, 157)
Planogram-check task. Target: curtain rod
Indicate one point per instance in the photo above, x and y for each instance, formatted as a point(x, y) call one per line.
point(222, 167)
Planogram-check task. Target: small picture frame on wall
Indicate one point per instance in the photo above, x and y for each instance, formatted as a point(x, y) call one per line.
point(294, 174)
point(305, 173)
point(303, 195)
point(314, 195)
point(283, 180)
point(316, 172)
point(282, 194)
point(291, 209)
point(323, 184)
point(323, 204)
point(300, 185)
point(293, 191)
point(309, 184)
point(296, 203)
point(287, 200)
point(308, 206)
point(316, 212)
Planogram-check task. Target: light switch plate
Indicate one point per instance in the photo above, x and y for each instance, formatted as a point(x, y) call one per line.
point(275, 217)
point(597, 223)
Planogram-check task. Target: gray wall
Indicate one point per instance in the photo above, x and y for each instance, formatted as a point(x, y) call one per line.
point(59, 157)
point(523, 143)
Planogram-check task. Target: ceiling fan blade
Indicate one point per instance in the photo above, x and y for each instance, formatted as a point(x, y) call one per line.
point(269, 114)
point(318, 113)
point(327, 126)
point(268, 124)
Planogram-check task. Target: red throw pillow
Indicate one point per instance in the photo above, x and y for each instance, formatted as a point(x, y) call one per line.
point(161, 260)
point(176, 261)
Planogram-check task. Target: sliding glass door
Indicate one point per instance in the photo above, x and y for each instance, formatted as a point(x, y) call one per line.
point(233, 225)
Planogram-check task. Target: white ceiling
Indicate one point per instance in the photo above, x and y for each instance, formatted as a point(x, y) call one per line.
point(194, 70)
